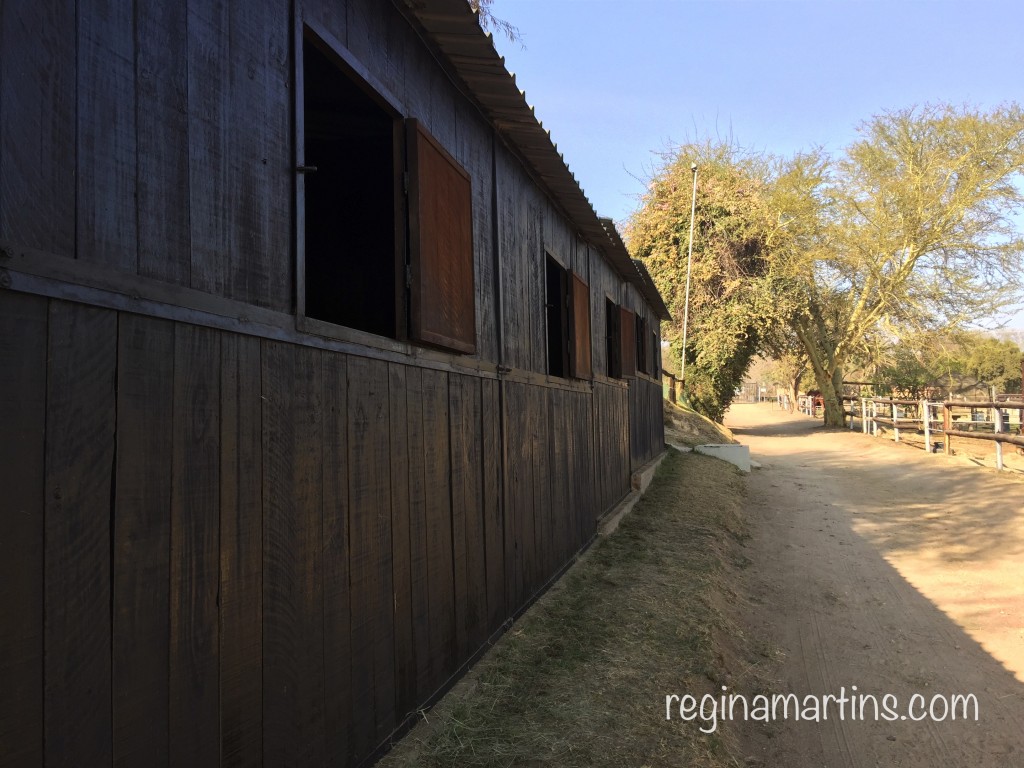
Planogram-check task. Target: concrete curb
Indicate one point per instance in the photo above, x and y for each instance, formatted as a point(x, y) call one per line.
point(639, 481)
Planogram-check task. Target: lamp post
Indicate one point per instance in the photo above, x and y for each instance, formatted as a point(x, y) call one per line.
point(689, 258)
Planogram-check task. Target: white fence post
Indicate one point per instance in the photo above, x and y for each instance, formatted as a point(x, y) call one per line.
point(895, 424)
point(926, 425)
point(864, 415)
point(998, 427)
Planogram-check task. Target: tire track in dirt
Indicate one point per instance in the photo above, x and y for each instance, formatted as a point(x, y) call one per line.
point(883, 567)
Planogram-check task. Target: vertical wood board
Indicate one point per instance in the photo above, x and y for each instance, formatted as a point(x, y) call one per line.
point(141, 541)
point(80, 419)
point(38, 102)
point(195, 549)
point(23, 356)
point(241, 552)
point(107, 151)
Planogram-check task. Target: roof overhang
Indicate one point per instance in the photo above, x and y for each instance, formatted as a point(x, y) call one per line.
point(451, 28)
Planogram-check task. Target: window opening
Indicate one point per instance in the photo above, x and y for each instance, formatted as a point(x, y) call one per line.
point(350, 208)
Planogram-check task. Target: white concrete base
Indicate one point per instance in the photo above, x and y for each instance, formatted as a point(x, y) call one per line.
point(739, 455)
point(639, 481)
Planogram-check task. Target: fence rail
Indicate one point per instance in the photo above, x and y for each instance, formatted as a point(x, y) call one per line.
point(988, 421)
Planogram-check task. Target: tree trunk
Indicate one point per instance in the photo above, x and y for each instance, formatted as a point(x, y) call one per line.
point(792, 389)
point(831, 387)
point(835, 414)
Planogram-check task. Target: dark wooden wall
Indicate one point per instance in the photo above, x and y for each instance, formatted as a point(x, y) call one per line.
point(223, 541)
point(646, 421)
point(165, 151)
point(152, 139)
point(242, 551)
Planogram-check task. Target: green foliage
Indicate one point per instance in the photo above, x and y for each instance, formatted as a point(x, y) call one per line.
point(918, 236)
point(995, 362)
point(909, 233)
point(934, 363)
point(729, 266)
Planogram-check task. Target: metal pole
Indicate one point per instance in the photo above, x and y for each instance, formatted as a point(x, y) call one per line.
point(689, 258)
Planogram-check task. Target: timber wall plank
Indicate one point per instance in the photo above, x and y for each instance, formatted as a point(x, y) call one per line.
point(372, 625)
point(209, 60)
point(494, 519)
point(293, 662)
point(141, 541)
point(438, 525)
point(260, 154)
point(401, 543)
point(161, 93)
point(106, 215)
point(241, 552)
point(80, 407)
point(23, 355)
point(38, 155)
point(195, 548)
point(419, 577)
point(337, 611)
point(468, 514)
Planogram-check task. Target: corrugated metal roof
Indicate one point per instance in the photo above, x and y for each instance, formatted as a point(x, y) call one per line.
point(452, 27)
point(650, 291)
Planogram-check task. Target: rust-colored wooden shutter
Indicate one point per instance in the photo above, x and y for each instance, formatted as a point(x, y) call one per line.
point(580, 301)
point(641, 349)
point(627, 337)
point(442, 306)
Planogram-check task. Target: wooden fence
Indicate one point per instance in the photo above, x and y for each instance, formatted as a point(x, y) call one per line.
point(989, 421)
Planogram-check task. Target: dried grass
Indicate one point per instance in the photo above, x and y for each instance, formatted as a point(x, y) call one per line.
point(684, 426)
point(581, 679)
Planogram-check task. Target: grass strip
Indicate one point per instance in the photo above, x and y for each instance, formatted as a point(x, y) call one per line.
point(581, 679)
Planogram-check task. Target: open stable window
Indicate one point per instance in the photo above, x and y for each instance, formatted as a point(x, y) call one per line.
point(567, 314)
point(371, 182)
point(555, 305)
point(352, 163)
point(612, 338)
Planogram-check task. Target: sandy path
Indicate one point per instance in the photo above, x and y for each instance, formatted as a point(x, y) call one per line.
point(880, 566)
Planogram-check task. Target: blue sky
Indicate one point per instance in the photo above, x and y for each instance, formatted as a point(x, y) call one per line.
point(616, 81)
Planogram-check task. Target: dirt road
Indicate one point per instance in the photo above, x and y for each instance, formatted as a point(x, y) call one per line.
point(880, 566)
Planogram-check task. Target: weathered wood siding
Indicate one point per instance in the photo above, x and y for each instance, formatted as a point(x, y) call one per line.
point(262, 551)
point(152, 140)
point(224, 540)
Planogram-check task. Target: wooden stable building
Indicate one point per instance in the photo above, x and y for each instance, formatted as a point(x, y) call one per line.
point(316, 367)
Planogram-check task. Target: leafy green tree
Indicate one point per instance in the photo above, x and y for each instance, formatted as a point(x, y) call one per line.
point(915, 233)
point(729, 265)
point(995, 362)
point(921, 364)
